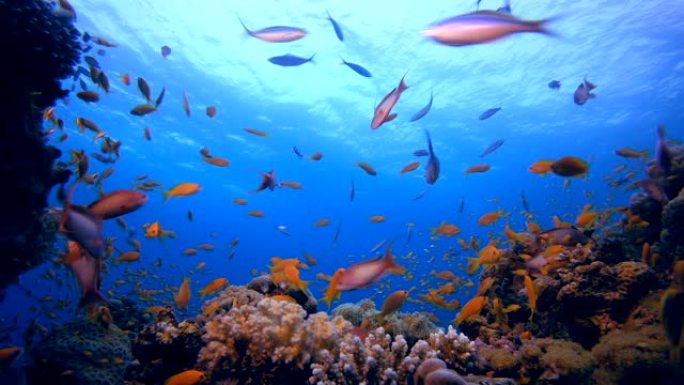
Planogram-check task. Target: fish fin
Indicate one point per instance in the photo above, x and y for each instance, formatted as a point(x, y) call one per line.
point(402, 86)
point(92, 297)
point(167, 195)
point(343, 61)
point(390, 118)
point(311, 58)
point(250, 33)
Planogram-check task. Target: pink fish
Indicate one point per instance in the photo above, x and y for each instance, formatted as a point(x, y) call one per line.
point(480, 27)
point(117, 203)
point(277, 34)
point(78, 224)
point(583, 92)
point(382, 111)
point(362, 274)
point(86, 271)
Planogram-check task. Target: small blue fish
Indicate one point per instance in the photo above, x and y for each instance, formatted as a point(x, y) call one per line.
point(423, 111)
point(297, 152)
point(352, 191)
point(338, 30)
point(290, 60)
point(421, 152)
point(523, 199)
point(555, 84)
point(489, 113)
point(432, 168)
point(492, 147)
point(461, 205)
point(357, 68)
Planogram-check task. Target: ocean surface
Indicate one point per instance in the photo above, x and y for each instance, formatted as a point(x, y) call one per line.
point(632, 50)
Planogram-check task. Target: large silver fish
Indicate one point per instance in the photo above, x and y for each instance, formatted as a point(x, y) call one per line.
point(480, 27)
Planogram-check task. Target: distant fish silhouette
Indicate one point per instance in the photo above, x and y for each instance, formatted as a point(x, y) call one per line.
point(338, 30)
point(423, 111)
point(492, 147)
point(555, 84)
point(290, 60)
point(489, 113)
point(357, 68)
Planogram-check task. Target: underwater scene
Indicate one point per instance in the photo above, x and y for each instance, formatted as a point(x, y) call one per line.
point(342, 192)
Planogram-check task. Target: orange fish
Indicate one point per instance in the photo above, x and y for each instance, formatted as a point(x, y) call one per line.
point(322, 222)
point(485, 285)
point(213, 287)
point(586, 218)
point(531, 295)
point(125, 79)
point(186, 105)
point(181, 190)
point(188, 377)
point(292, 185)
point(256, 213)
point(88, 96)
point(206, 246)
point(376, 219)
point(367, 168)
point(477, 168)
point(446, 229)
point(152, 231)
point(332, 293)
point(189, 251)
point(540, 167)
point(256, 132)
point(409, 167)
point(129, 256)
point(393, 303)
point(211, 111)
point(471, 309)
point(239, 201)
point(182, 297)
point(447, 275)
point(218, 162)
point(490, 217)
point(283, 297)
point(143, 109)
point(316, 156)
point(8, 355)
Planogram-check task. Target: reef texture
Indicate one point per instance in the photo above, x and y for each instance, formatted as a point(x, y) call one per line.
point(40, 49)
point(81, 352)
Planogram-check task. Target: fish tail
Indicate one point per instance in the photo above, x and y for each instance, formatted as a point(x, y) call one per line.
point(167, 195)
point(402, 86)
point(390, 265)
point(311, 58)
point(244, 26)
point(92, 297)
point(343, 61)
point(540, 26)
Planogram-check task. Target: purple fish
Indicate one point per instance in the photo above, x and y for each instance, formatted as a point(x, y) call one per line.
point(290, 60)
point(432, 168)
point(268, 181)
point(583, 92)
point(421, 152)
point(383, 111)
point(277, 34)
point(84, 228)
point(653, 190)
point(663, 156)
point(489, 113)
point(86, 271)
point(423, 111)
point(555, 85)
point(165, 51)
point(480, 27)
point(492, 147)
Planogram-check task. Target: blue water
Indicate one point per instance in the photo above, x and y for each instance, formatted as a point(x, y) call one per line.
point(631, 49)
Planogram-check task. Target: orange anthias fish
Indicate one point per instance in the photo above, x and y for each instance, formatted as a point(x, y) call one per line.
point(239, 201)
point(316, 156)
point(478, 168)
point(8, 355)
point(393, 303)
point(471, 309)
point(211, 111)
point(188, 377)
point(129, 256)
point(213, 287)
point(367, 168)
point(86, 271)
point(181, 190)
point(490, 217)
point(531, 295)
point(362, 274)
point(186, 105)
point(332, 293)
point(586, 218)
point(215, 161)
point(256, 213)
point(125, 79)
point(409, 167)
point(322, 222)
point(182, 297)
point(540, 167)
point(117, 203)
point(287, 271)
point(376, 219)
point(256, 132)
point(446, 230)
point(383, 110)
point(290, 184)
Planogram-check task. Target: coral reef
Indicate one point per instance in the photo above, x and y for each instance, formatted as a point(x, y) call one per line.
point(43, 49)
point(81, 352)
point(265, 285)
point(163, 348)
